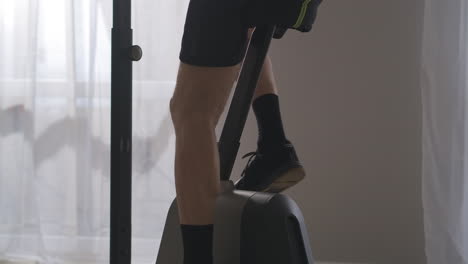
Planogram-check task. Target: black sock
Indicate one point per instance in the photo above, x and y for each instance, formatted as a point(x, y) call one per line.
point(270, 125)
point(198, 244)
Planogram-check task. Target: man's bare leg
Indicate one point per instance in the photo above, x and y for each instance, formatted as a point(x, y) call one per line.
point(275, 154)
point(198, 101)
point(266, 81)
point(196, 106)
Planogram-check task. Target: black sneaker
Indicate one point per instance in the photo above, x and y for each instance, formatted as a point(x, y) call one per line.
point(272, 170)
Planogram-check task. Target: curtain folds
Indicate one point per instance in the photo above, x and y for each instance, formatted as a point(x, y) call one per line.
point(55, 127)
point(444, 98)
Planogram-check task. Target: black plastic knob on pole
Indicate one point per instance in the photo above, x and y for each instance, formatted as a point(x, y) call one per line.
point(135, 53)
point(229, 141)
point(123, 53)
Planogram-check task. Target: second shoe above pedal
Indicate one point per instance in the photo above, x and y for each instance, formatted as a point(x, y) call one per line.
point(271, 169)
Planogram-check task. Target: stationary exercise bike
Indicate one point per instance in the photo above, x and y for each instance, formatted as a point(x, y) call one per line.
point(249, 227)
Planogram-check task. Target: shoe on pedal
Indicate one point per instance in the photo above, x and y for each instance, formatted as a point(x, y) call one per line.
point(271, 169)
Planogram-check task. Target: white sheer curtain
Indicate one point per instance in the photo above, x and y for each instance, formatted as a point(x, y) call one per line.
point(54, 127)
point(445, 131)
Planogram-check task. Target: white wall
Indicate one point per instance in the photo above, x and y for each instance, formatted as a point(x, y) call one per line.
point(350, 101)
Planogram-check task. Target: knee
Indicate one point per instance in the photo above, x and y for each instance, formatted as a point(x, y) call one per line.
point(176, 112)
point(191, 113)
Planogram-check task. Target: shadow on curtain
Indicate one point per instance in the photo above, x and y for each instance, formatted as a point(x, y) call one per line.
point(55, 121)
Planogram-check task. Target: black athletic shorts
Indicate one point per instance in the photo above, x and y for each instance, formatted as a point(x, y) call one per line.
point(215, 31)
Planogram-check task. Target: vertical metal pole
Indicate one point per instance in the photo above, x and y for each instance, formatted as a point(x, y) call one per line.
point(123, 53)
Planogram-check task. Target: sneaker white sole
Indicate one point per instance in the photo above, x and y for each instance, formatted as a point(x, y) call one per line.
point(288, 179)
